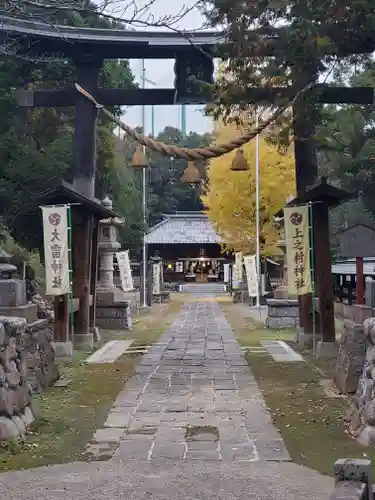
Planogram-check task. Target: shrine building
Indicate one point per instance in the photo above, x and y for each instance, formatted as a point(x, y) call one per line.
point(190, 248)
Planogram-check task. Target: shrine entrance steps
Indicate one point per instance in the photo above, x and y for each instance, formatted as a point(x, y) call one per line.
point(203, 289)
point(193, 397)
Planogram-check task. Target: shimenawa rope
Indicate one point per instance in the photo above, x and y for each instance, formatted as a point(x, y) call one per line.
point(196, 154)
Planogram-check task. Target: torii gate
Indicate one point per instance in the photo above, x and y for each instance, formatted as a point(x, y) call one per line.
point(193, 54)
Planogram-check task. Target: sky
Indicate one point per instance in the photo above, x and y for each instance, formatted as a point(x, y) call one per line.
point(161, 73)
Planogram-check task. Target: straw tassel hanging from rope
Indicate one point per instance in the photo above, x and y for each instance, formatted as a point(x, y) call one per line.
point(191, 174)
point(139, 159)
point(239, 163)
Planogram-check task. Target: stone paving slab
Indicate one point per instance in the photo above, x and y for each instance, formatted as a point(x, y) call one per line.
point(281, 352)
point(193, 397)
point(110, 351)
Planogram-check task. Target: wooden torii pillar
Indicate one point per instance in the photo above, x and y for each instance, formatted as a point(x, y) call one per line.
point(84, 236)
point(88, 69)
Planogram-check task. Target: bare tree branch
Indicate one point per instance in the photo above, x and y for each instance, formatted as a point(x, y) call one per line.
point(129, 15)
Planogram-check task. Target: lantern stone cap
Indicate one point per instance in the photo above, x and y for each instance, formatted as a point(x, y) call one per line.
point(113, 221)
point(107, 203)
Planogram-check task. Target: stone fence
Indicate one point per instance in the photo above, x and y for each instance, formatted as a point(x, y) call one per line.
point(356, 312)
point(355, 373)
point(27, 365)
point(352, 480)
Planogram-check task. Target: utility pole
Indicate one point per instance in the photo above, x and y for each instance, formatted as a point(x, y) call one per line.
point(257, 212)
point(183, 120)
point(144, 208)
point(144, 190)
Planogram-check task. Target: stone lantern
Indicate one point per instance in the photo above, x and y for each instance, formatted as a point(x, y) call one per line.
point(108, 245)
point(112, 307)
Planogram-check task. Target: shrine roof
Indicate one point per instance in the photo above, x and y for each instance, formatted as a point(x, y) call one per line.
point(353, 227)
point(64, 193)
point(320, 192)
point(134, 44)
point(183, 228)
point(111, 43)
point(348, 266)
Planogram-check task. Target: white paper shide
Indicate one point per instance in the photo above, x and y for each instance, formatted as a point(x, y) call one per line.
point(56, 249)
point(126, 277)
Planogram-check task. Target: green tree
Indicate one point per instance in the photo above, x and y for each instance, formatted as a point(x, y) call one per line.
point(167, 193)
point(284, 41)
point(346, 152)
point(36, 144)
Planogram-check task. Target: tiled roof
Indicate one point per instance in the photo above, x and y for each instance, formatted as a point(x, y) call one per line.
point(348, 266)
point(183, 227)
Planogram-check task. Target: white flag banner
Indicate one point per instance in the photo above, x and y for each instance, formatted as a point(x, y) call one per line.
point(251, 273)
point(226, 273)
point(156, 279)
point(56, 249)
point(161, 272)
point(126, 277)
point(235, 283)
point(239, 267)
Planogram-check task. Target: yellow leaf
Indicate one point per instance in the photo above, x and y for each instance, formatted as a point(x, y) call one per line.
point(230, 197)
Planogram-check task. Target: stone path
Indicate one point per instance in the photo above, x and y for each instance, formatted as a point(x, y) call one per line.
point(193, 397)
point(195, 375)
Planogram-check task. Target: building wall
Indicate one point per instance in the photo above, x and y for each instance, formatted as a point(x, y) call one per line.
point(175, 252)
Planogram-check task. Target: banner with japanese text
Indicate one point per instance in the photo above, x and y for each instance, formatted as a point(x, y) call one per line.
point(251, 274)
point(56, 249)
point(234, 282)
point(239, 267)
point(126, 277)
point(156, 279)
point(296, 220)
point(226, 273)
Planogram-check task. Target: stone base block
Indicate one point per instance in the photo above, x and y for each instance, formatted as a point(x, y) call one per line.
point(278, 322)
point(114, 317)
point(281, 293)
point(112, 323)
point(327, 349)
point(27, 311)
point(83, 340)
point(305, 339)
point(355, 470)
point(63, 349)
point(12, 293)
point(282, 313)
point(109, 297)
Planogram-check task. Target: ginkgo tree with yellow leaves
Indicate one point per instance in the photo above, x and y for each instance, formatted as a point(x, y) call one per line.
point(230, 200)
